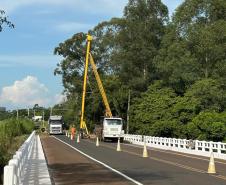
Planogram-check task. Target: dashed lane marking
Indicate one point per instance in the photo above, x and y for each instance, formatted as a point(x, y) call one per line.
point(174, 153)
point(170, 162)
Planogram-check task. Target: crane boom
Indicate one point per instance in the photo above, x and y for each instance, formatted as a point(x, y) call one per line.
point(82, 121)
point(101, 88)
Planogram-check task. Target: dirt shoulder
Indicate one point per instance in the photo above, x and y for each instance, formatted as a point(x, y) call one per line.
point(67, 166)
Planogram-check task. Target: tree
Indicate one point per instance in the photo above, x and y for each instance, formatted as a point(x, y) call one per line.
point(161, 112)
point(208, 126)
point(71, 67)
point(209, 93)
point(175, 64)
point(139, 40)
point(153, 107)
point(4, 20)
point(194, 45)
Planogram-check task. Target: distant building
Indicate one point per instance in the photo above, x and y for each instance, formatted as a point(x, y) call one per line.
point(2, 109)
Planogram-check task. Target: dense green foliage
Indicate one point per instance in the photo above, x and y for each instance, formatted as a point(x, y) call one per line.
point(5, 115)
point(197, 114)
point(12, 134)
point(174, 68)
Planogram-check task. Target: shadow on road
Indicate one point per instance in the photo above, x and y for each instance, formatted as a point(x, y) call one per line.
point(83, 173)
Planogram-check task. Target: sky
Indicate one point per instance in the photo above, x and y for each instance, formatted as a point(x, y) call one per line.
point(27, 61)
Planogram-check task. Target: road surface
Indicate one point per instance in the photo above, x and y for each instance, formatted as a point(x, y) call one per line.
point(66, 166)
point(160, 168)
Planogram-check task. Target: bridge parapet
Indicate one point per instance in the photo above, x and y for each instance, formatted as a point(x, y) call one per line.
point(13, 172)
point(27, 164)
point(196, 147)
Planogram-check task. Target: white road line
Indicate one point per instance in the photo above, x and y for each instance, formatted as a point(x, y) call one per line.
point(105, 165)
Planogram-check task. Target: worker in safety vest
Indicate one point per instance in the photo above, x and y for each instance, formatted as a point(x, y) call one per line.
point(73, 131)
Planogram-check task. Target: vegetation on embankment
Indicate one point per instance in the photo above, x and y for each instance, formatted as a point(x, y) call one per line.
point(12, 134)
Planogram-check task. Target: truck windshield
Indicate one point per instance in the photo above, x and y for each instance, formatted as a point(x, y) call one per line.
point(114, 122)
point(55, 122)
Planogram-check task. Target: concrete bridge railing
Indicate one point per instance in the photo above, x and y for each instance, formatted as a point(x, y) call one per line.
point(13, 172)
point(196, 147)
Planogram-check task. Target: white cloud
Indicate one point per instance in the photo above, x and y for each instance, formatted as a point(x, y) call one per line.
point(27, 92)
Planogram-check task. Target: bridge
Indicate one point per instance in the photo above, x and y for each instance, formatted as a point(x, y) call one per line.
point(167, 161)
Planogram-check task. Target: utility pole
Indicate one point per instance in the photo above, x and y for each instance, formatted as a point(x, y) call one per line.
point(43, 118)
point(28, 112)
point(51, 111)
point(127, 126)
point(17, 114)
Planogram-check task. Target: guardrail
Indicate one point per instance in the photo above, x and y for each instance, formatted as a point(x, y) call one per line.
point(196, 147)
point(13, 172)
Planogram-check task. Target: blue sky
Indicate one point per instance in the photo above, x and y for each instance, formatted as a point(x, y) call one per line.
point(26, 52)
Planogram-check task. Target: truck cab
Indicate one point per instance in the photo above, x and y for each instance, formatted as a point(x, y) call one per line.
point(113, 128)
point(55, 125)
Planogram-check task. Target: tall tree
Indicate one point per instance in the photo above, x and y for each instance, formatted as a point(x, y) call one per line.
point(194, 46)
point(139, 41)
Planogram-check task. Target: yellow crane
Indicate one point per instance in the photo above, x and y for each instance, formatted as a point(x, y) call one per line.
point(101, 88)
point(100, 85)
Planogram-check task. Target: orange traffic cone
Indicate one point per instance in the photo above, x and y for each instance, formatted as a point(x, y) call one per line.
point(78, 139)
point(97, 142)
point(118, 146)
point(145, 152)
point(211, 168)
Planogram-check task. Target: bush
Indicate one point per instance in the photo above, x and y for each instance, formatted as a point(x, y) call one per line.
point(208, 126)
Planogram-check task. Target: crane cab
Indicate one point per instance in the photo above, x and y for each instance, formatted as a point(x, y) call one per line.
point(113, 128)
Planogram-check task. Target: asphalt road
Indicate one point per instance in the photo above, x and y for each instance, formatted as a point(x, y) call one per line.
point(68, 167)
point(160, 168)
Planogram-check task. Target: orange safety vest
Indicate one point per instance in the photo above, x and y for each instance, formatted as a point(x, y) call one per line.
point(73, 130)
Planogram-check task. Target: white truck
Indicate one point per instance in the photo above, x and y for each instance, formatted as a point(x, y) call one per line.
point(55, 125)
point(113, 129)
point(37, 118)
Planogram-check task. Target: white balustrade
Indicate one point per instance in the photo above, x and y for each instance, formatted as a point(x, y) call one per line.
point(13, 172)
point(195, 147)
